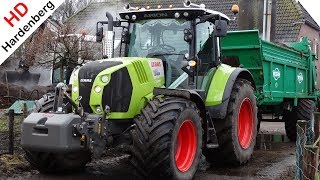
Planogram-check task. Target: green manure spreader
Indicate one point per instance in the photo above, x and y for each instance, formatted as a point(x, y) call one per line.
point(181, 87)
point(285, 76)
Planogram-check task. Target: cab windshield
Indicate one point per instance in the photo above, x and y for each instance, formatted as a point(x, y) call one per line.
point(158, 37)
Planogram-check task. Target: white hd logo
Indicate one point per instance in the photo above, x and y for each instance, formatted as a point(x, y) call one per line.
point(19, 19)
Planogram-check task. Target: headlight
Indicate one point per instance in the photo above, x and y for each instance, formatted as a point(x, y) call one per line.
point(97, 89)
point(104, 78)
point(75, 88)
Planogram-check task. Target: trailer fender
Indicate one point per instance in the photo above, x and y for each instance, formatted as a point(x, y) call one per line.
point(217, 105)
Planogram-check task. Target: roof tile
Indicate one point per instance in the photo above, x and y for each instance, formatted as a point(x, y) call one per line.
point(308, 18)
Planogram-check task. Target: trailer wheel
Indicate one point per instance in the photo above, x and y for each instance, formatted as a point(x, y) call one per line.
point(50, 162)
point(303, 111)
point(237, 132)
point(167, 139)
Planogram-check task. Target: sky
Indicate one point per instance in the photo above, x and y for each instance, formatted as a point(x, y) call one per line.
point(313, 7)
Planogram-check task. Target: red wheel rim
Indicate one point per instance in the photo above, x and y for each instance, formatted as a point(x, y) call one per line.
point(186, 146)
point(245, 124)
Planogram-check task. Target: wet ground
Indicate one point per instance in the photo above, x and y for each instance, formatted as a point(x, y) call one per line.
point(273, 158)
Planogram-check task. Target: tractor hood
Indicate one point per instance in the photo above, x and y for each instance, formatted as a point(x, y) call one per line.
point(119, 83)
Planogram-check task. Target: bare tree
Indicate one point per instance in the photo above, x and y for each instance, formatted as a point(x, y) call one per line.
point(36, 42)
point(62, 50)
point(69, 8)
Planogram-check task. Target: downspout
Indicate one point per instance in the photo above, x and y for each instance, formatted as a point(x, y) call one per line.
point(269, 17)
point(264, 19)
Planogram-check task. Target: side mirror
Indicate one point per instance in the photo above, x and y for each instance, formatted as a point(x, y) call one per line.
point(221, 28)
point(99, 34)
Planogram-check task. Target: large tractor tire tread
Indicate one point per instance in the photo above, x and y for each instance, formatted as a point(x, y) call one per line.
point(45, 104)
point(230, 151)
point(153, 134)
point(50, 162)
point(304, 111)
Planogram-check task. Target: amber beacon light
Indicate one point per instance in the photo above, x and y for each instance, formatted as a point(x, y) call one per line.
point(235, 9)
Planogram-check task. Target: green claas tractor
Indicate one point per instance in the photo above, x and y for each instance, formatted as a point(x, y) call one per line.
point(177, 91)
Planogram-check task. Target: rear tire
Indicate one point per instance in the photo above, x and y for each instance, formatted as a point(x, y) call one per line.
point(304, 111)
point(51, 162)
point(237, 132)
point(167, 139)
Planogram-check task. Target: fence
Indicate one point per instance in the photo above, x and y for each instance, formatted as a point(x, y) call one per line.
point(307, 149)
point(10, 135)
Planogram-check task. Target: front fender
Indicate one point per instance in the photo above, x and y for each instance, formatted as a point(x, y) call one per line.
point(194, 96)
point(221, 87)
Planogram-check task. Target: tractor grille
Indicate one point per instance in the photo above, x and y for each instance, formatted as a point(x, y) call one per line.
point(87, 75)
point(117, 94)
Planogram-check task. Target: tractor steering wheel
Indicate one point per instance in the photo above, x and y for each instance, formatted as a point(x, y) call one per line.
point(168, 48)
point(163, 48)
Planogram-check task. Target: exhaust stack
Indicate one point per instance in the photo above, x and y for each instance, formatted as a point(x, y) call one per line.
point(108, 39)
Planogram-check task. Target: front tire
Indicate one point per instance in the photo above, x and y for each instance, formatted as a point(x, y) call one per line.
point(167, 139)
point(237, 132)
point(51, 162)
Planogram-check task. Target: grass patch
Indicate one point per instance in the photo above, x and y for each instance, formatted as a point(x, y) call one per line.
point(13, 164)
point(4, 122)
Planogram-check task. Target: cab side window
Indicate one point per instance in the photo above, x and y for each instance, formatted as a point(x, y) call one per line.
point(205, 45)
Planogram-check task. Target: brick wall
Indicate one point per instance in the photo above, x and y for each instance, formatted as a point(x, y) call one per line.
point(314, 36)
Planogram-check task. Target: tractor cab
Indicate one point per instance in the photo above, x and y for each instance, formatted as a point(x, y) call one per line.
point(185, 39)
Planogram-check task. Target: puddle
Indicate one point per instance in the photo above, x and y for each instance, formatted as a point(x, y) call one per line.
point(273, 157)
point(111, 168)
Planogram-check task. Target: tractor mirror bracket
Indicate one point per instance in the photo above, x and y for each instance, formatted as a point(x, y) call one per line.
point(221, 28)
